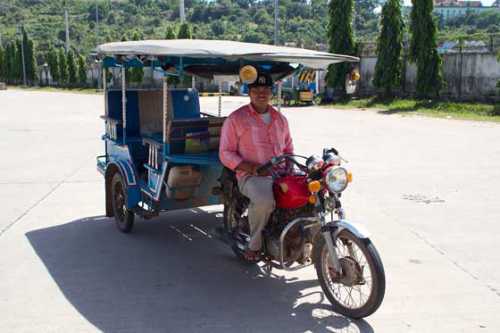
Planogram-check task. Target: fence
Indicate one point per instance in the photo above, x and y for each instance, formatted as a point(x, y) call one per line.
point(470, 72)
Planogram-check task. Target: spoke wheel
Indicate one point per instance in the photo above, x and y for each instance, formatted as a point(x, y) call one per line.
point(124, 217)
point(235, 232)
point(360, 289)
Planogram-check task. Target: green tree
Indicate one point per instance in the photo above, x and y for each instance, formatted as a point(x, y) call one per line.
point(19, 74)
point(63, 68)
point(82, 71)
point(53, 62)
point(135, 74)
point(390, 42)
point(255, 37)
point(3, 65)
point(341, 40)
point(364, 14)
point(29, 56)
point(11, 62)
point(170, 33)
point(72, 70)
point(185, 31)
point(498, 59)
point(32, 65)
point(423, 49)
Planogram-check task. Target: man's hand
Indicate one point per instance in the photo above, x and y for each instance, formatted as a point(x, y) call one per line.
point(251, 168)
point(248, 167)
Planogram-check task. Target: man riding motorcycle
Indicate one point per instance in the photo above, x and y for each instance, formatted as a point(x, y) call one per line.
point(250, 137)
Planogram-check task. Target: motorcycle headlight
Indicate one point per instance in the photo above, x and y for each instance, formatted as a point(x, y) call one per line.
point(337, 179)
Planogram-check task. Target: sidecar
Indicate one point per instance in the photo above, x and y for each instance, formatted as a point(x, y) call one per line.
point(160, 150)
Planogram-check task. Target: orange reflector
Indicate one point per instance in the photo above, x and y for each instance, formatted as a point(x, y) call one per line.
point(312, 199)
point(284, 187)
point(349, 177)
point(314, 186)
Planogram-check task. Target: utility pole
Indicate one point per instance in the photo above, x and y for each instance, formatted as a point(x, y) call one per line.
point(276, 15)
point(181, 11)
point(97, 22)
point(66, 46)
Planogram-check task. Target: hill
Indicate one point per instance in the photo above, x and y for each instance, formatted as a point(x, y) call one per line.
point(302, 22)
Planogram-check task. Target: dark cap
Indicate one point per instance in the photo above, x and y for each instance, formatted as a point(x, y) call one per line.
point(263, 80)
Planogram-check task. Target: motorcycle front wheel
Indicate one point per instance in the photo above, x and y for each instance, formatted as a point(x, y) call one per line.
point(360, 289)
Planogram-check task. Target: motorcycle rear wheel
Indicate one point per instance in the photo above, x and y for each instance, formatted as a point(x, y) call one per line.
point(231, 229)
point(342, 292)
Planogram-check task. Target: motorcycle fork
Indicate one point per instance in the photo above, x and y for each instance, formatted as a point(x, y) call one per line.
point(329, 235)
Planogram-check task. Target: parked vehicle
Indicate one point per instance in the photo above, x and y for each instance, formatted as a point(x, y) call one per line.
point(303, 230)
point(160, 150)
point(304, 92)
point(161, 153)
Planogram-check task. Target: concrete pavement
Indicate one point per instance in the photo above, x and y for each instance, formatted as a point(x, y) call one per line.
point(426, 188)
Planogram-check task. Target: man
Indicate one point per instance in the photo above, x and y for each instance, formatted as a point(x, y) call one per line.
point(250, 137)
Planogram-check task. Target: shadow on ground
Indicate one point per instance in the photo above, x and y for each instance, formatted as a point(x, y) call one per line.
point(172, 274)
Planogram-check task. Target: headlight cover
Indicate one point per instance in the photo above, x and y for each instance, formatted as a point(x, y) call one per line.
point(337, 179)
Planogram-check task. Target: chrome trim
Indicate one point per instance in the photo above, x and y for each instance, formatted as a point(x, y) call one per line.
point(220, 100)
point(331, 246)
point(156, 193)
point(165, 108)
point(279, 95)
point(102, 172)
point(124, 105)
point(160, 181)
point(104, 88)
point(356, 229)
point(290, 225)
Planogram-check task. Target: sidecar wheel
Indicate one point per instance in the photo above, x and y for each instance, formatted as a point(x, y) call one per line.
point(360, 291)
point(124, 217)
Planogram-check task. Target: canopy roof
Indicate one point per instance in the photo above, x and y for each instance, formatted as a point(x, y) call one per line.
point(223, 50)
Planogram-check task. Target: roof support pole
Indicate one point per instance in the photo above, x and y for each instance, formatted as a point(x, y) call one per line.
point(165, 108)
point(124, 104)
point(317, 82)
point(220, 99)
point(279, 95)
point(104, 88)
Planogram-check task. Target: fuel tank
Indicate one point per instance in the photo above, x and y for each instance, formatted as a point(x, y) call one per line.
point(291, 192)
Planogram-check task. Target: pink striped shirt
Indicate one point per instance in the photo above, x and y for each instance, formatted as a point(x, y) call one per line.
point(246, 137)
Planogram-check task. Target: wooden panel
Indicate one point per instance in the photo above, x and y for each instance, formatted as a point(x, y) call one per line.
point(151, 111)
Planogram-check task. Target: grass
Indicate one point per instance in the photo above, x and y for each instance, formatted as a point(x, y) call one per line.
point(433, 108)
point(89, 91)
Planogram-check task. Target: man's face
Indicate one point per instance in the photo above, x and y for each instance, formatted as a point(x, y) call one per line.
point(260, 96)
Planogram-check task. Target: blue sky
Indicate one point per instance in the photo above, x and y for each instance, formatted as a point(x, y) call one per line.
point(485, 2)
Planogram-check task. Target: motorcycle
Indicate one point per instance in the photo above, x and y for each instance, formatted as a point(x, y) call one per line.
point(302, 230)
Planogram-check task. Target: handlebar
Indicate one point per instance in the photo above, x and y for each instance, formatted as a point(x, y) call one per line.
point(277, 160)
point(264, 167)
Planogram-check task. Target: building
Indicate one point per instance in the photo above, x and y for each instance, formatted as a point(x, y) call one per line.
point(457, 3)
point(448, 9)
